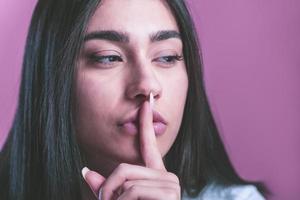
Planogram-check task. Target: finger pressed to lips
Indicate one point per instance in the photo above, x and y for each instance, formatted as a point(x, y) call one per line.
point(148, 144)
point(154, 170)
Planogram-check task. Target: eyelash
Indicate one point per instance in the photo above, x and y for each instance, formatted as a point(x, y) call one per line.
point(171, 59)
point(110, 59)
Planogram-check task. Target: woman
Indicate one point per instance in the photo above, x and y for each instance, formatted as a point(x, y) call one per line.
point(90, 70)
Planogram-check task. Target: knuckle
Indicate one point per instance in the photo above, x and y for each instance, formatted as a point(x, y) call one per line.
point(172, 194)
point(133, 190)
point(122, 166)
point(173, 177)
point(127, 185)
point(178, 188)
point(121, 169)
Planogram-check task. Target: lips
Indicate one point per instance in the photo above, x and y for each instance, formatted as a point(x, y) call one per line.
point(130, 125)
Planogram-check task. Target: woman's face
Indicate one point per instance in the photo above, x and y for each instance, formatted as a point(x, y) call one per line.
point(132, 48)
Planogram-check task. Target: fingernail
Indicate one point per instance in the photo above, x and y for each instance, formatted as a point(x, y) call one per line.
point(151, 100)
point(84, 171)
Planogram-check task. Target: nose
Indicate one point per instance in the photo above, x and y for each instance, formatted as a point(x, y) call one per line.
point(143, 81)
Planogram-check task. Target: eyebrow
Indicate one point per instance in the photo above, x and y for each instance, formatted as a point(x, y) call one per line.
point(114, 36)
point(122, 37)
point(164, 35)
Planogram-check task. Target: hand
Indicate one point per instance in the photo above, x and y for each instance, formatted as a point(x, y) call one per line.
point(132, 182)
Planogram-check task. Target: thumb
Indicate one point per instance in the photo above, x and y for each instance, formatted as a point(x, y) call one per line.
point(93, 179)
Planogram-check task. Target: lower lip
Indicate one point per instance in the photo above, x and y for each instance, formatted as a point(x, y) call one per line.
point(132, 128)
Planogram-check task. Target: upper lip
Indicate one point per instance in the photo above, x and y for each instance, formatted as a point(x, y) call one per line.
point(133, 118)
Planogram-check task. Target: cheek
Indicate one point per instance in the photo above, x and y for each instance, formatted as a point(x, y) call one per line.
point(90, 96)
point(97, 92)
point(95, 98)
point(175, 91)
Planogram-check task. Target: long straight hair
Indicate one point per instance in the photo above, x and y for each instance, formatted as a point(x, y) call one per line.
point(41, 158)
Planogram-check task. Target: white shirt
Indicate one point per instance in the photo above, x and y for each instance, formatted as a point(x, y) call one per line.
point(236, 192)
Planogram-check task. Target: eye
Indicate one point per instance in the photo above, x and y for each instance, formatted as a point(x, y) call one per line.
point(168, 60)
point(106, 60)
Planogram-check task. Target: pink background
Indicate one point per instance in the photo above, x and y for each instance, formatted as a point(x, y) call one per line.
point(251, 53)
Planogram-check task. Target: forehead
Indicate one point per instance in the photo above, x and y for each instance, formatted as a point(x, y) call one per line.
point(133, 16)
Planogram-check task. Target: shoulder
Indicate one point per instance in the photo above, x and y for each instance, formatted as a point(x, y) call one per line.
point(235, 192)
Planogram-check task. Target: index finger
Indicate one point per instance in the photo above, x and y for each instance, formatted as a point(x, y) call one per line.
point(148, 144)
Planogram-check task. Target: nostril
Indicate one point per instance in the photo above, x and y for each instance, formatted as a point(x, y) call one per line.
point(156, 96)
point(141, 97)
